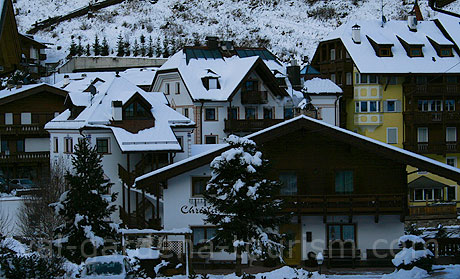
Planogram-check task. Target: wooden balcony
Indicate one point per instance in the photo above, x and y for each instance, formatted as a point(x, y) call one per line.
point(33, 129)
point(432, 148)
point(438, 89)
point(25, 157)
point(346, 204)
point(418, 117)
point(434, 210)
point(254, 97)
point(136, 220)
point(249, 125)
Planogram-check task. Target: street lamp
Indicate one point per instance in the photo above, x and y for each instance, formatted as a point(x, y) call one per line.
point(320, 260)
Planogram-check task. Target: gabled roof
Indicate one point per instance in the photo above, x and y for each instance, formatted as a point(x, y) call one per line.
point(320, 85)
point(303, 122)
point(367, 61)
point(10, 95)
point(97, 113)
point(231, 72)
point(31, 40)
point(424, 182)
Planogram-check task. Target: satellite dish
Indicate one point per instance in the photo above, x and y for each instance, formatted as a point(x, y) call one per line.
point(92, 89)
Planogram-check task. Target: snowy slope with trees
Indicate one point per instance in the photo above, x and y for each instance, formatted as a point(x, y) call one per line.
point(288, 28)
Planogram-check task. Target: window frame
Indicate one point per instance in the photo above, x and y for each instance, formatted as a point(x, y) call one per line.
point(206, 109)
point(336, 172)
point(108, 145)
point(455, 134)
point(348, 78)
point(167, 88)
point(21, 143)
point(449, 105)
point(206, 238)
point(55, 145)
point(9, 118)
point(215, 137)
point(68, 140)
point(341, 225)
point(194, 179)
point(454, 161)
point(272, 112)
point(332, 54)
point(186, 112)
point(418, 134)
point(230, 113)
point(177, 88)
point(396, 136)
point(288, 190)
point(246, 113)
point(359, 106)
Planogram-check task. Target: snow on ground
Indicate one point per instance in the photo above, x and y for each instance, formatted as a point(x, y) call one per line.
point(287, 27)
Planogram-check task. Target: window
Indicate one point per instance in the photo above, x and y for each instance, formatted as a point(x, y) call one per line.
point(349, 79)
point(332, 54)
point(212, 83)
point(20, 145)
point(344, 182)
point(427, 194)
point(250, 113)
point(340, 233)
point(26, 118)
point(8, 118)
point(55, 145)
point(102, 145)
point(384, 52)
point(429, 105)
point(451, 193)
point(251, 85)
point(233, 113)
point(422, 134)
point(201, 235)
point(392, 135)
point(333, 78)
point(199, 185)
point(289, 183)
point(390, 106)
point(445, 52)
point(451, 79)
point(68, 145)
point(35, 118)
point(450, 105)
point(364, 79)
point(451, 134)
point(415, 52)
point(135, 111)
point(268, 113)
point(5, 146)
point(451, 161)
point(168, 88)
point(367, 106)
point(177, 87)
point(210, 114)
point(210, 139)
point(288, 113)
point(180, 140)
point(185, 112)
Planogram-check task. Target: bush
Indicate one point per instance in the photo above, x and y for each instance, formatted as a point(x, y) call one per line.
point(322, 13)
point(413, 254)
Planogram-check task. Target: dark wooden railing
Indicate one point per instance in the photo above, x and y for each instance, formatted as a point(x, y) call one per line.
point(22, 157)
point(254, 97)
point(434, 209)
point(126, 176)
point(419, 117)
point(345, 204)
point(431, 89)
point(138, 221)
point(33, 129)
point(250, 125)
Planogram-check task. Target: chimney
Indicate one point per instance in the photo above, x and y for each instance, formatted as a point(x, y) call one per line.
point(117, 114)
point(412, 23)
point(416, 11)
point(212, 42)
point(293, 73)
point(66, 80)
point(83, 75)
point(356, 33)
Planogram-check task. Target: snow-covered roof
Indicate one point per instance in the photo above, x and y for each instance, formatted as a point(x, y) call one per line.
point(367, 61)
point(321, 85)
point(230, 72)
point(452, 26)
point(98, 114)
point(416, 159)
point(13, 91)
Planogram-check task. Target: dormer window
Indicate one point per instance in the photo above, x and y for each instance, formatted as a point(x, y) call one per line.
point(384, 52)
point(445, 52)
point(415, 52)
point(412, 50)
point(213, 83)
point(135, 110)
point(381, 50)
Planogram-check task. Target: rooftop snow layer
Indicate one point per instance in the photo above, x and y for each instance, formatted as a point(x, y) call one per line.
point(320, 85)
point(13, 91)
point(367, 61)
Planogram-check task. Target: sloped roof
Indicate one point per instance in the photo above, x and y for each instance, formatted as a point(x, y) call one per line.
point(321, 85)
point(385, 150)
point(424, 182)
point(230, 70)
point(98, 114)
point(9, 95)
point(367, 61)
point(451, 25)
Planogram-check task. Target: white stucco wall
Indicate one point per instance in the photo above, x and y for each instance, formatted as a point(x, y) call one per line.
point(37, 144)
point(328, 107)
point(9, 209)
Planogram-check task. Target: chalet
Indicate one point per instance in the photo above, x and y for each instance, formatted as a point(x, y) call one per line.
point(341, 187)
point(33, 55)
point(24, 110)
point(135, 132)
point(10, 47)
point(401, 82)
point(225, 89)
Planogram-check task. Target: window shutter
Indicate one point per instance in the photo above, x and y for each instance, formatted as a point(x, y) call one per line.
point(385, 106)
point(398, 106)
point(392, 135)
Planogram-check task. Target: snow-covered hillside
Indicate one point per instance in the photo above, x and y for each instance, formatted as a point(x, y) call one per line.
point(288, 28)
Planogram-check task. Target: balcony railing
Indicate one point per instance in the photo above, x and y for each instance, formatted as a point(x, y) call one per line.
point(435, 209)
point(418, 117)
point(25, 157)
point(346, 204)
point(249, 125)
point(254, 97)
point(33, 129)
point(432, 148)
point(431, 89)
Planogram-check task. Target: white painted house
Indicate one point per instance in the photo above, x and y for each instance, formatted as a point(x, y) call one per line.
point(134, 130)
point(345, 191)
point(224, 90)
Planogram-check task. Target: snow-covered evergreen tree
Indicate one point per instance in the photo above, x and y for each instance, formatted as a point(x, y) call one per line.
point(150, 48)
point(136, 48)
point(127, 47)
point(88, 50)
point(85, 208)
point(96, 46)
point(73, 48)
point(105, 47)
point(245, 212)
point(80, 49)
point(120, 46)
point(158, 49)
point(142, 49)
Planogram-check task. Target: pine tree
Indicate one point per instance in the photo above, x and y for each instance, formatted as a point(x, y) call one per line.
point(143, 50)
point(150, 48)
point(120, 46)
point(88, 50)
point(84, 208)
point(96, 46)
point(127, 47)
point(135, 48)
point(105, 47)
point(73, 48)
point(166, 48)
point(239, 188)
point(79, 47)
point(158, 50)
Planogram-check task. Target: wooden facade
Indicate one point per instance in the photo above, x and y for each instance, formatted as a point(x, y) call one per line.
point(10, 48)
point(18, 158)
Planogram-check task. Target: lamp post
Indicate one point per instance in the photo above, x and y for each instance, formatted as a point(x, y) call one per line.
point(319, 260)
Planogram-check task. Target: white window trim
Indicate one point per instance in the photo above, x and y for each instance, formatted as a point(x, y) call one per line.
point(9, 118)
point(418, 134)
point(55, 145)
point(455, 129)
point(432, 194)
point(216, 111)
point(109, 151)
point(349, 78)
point(214, 136)
point(333, 54)
point(26, 118)
point(368, 106)
point(455, 160)
point(177, 88)
point(167, 88)
point(392, 128)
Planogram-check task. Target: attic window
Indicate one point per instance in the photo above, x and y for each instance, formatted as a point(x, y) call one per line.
point(415, 52)
point(445, 52)
point(384, 52)
point(135, 111)
point(412, 50)
point(211, 83)
point(381, 50)
point(441, 50)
